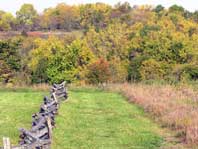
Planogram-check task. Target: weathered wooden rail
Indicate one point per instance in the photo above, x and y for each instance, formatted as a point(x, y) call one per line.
point(40, 134)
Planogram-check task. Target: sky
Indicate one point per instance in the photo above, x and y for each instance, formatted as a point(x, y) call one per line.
point(14, 5)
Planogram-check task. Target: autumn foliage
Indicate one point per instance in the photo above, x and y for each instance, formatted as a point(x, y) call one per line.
point(102, 44)
point(120, 43)
point(98, 72)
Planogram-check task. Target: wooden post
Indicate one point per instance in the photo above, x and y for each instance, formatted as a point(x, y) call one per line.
point(6, 143)
point(55, 97)
point(49, 128)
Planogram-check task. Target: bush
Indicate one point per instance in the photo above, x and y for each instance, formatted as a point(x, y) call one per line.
point(186, 73)
point(151, 70)
point(98, 72)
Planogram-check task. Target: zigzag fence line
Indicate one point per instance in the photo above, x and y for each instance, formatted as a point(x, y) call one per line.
point(40, 135)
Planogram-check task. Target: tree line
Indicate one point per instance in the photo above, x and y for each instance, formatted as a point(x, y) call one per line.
point(67, 17)
point(114, 44)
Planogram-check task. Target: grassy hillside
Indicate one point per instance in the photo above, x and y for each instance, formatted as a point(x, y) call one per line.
point(90, 119)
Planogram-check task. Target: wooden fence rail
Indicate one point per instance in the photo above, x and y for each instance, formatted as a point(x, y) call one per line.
point(40, 134)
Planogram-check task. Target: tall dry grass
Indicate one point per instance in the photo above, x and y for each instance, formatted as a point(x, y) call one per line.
point(174, 107)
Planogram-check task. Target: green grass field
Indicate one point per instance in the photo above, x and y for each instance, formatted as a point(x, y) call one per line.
point(90, 119)
point(16, 109)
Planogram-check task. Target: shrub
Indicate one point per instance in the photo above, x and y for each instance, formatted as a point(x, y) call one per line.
point(151, 69)
point(98, 72)
point(186, 72)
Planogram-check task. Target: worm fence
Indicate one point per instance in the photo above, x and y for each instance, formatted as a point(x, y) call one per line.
point(40, 135)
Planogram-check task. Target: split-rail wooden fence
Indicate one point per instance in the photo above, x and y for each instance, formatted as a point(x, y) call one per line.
point(40, 134)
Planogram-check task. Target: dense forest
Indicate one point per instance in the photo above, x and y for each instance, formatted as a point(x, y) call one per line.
point(103, 44)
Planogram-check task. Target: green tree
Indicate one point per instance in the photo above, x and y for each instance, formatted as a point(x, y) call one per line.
point(151, 70)
point(96, 15)
point(41, 55)
point(107, 42)
point(71, 63)
point(159, 8)
point(10, 60)
point(26, 17)
point(176, 8)
point(7, 21)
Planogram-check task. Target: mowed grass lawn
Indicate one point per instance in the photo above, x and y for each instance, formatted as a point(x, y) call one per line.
point(90, 119)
